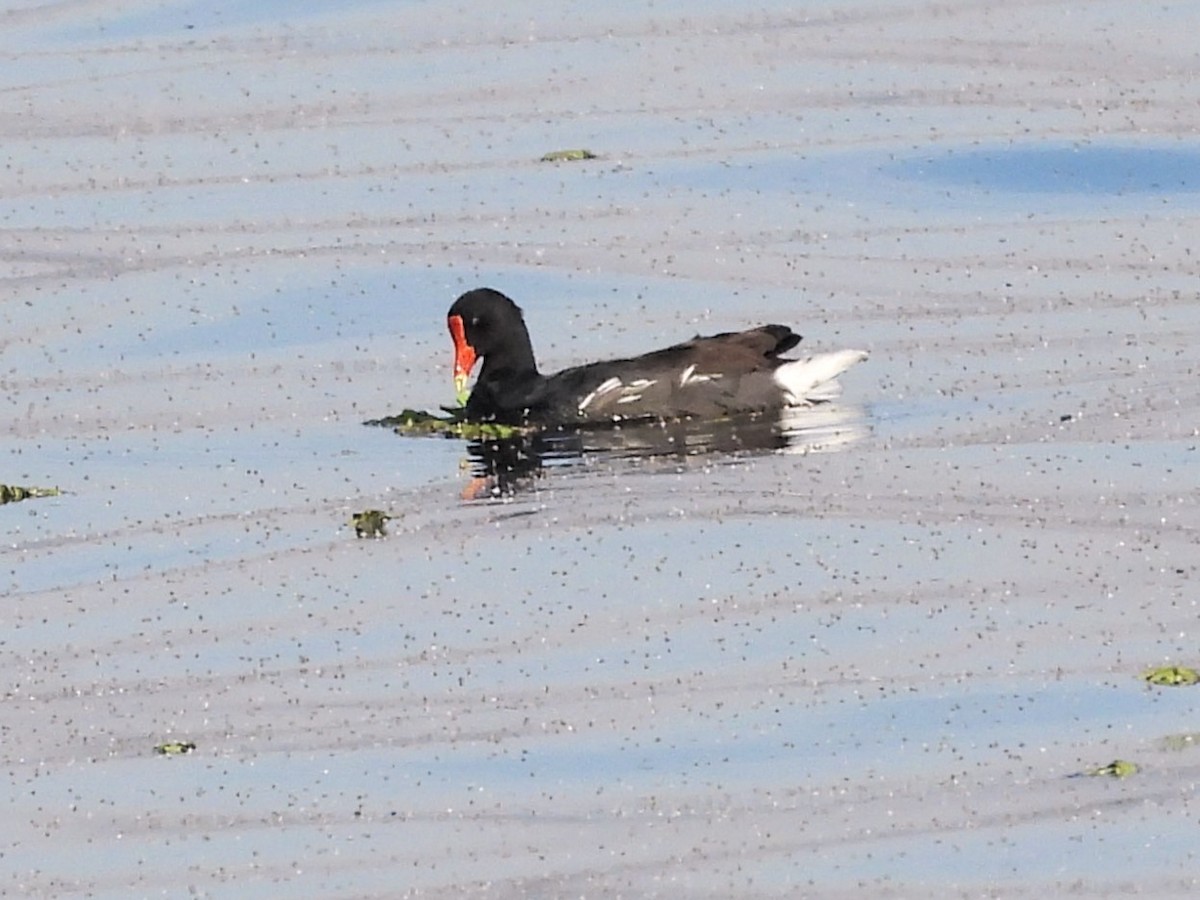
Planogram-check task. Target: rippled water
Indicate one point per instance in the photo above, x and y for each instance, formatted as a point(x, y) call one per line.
point(857, 655)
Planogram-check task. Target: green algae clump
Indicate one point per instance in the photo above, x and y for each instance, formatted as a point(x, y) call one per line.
point(1118, 768)
point(568, 155)
point(419, 423)
point(1171, 676)
point(174, 748)
point(11, 493)
point(370, 523)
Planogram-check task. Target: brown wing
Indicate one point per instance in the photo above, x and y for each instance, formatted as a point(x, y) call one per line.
point(706, 377)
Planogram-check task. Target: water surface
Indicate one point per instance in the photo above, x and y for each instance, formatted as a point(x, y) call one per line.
point(865, 667)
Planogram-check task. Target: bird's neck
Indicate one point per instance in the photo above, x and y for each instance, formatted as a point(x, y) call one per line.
point(514, 359)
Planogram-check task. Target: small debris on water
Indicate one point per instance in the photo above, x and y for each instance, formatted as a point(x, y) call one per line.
point(1118, 768)
point(370, 523)
point(12, 493)
point(174, 748)
point(568, 155)
point(1171, 676)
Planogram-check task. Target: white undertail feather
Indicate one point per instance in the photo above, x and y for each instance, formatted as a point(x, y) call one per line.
point(810, 380)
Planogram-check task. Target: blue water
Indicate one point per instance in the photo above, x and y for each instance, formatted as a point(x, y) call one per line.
point(1079, 168)
point(233, 234)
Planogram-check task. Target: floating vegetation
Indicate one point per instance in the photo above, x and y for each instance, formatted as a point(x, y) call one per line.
point(174, 748)
point(418, 422)
point(11, 493)
point(1171, 676)
point(370, 523)
point(1118, 768)
point(568, 155)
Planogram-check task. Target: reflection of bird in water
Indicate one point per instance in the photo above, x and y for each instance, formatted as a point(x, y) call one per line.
point(725, 375)
point(504, 467)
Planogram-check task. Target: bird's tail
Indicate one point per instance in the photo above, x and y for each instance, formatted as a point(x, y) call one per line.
point(812, 380)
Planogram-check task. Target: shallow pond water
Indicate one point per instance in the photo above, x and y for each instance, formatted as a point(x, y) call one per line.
point(862, 656)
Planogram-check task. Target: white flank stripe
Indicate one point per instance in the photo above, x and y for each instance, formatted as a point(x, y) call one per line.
point(690, 376)
point(605, 387)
